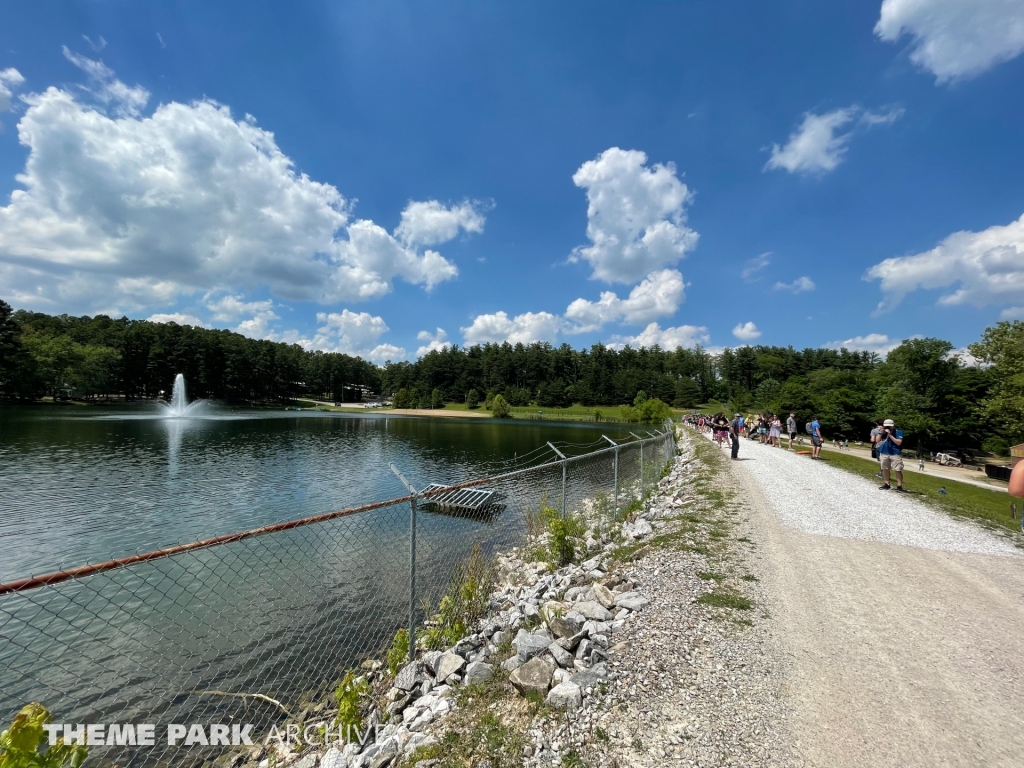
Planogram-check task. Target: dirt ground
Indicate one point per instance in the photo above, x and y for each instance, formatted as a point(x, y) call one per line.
point(895, 655)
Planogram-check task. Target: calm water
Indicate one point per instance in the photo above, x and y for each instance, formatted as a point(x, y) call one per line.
point(82, 485)
point(282, 614)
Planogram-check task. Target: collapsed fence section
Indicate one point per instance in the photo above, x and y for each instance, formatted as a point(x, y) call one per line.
point(260, 627)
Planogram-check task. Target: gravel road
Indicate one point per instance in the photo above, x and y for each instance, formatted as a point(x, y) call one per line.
point(902, 628)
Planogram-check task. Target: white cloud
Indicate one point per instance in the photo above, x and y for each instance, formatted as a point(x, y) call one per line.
point(816, 146)
point(10, 79)
point(635, 216)
point(1012, 313)
point(878, 343)
point(123, 99)
point(97, 45)
point(229, 308)
point(431, 223)
point(354, 334)
point(746, 331)
point(686, 336)
point(965, 357)
point(524, 329)
point(181, 201)
point(800, 285)
point(755, 265)
point(987, 267)
point(659, 295)
point(435, 342)
point(177, 317)
point(955, 39)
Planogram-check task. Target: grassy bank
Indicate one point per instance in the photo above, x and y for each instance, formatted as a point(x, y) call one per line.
point(961, 499)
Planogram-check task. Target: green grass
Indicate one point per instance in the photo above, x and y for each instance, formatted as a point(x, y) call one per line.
point(724, 599)
point(991, 507)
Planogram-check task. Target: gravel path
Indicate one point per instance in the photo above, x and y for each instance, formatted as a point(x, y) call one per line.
point(902, 630)
point(817, 498)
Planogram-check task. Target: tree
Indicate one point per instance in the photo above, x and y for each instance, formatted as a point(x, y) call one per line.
point(1002, 346)
point(687, 393)
point(640, 399)
point(473, 399)
point(401, 398)
point(500, 408)
point(436, 399)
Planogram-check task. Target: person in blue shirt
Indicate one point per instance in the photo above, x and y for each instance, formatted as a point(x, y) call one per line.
point(890, 454)
point(815, 439)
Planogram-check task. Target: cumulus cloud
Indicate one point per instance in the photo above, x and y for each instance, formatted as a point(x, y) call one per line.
point(1012, 313)
point(635, 216)
point(10, 79)
point(955, 39)
point(430, 222)
point(177, 317)
point(986, 267)
point(800, 285)
point(686, 336)
point(185, 200)
point(660, 294)
point(524, 329)
point(433, 342)
point(878, 343)
point(755, 265)
point(354, 334)
point(818, 145)
point(746, 331)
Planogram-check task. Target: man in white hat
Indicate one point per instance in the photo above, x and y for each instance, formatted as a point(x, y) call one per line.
point(890, 454)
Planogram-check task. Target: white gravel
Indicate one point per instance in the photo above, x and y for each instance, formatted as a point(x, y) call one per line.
point(817, 498)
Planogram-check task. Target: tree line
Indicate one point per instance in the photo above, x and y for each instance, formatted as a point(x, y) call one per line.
point(938, 399)
point(100, 357)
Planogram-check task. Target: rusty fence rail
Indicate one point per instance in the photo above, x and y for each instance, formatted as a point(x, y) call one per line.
point(259, 626)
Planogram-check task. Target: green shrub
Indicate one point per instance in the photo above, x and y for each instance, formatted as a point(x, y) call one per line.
point(402, 399)
point(500, 408)
point(566, 533)
point(398, 654)
point(473, 399)
point(350, 696)
point(464, 603)
point(20, 744)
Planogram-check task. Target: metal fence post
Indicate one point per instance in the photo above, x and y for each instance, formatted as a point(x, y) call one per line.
point(615, 508)
point(562, 457)
point(412, 564)
point(641, 463)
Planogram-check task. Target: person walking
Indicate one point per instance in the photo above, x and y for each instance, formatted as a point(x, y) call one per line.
point(890, 451)
point(815, 438)
point(734, 434)
point(791, 429)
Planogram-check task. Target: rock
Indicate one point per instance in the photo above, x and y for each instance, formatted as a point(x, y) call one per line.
point(567, 696)
point(561, 626)
point(511, 665)
point(632, 601)
point(425, 718)
point(562, 656)
point(334, 758)
point(500, 637)
point(596, 628)
point(408, 677)
point(448, 664)
point(530, 644)
point(583, 649)
point(593, 611)
point(603, 595)
point(478, 672)
point(620, 647)
point(380, 755)
point(591, 677)
point(467, 645)
point(307, 761)
point(534, 675)
point(570, 643)
point(642, 528)
point(592, 545)
point(561, 676)
point(601, 641)
point(430, 660)
point(591, 564)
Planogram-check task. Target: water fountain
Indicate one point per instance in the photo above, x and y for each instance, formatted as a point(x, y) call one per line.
point(179, 406)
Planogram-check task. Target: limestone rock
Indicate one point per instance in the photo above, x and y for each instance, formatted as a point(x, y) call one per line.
point(534, 675)
point(593, 611)
point(408, 677)
point(448, 664)
point(478, 672)
point(530, 644)
point(567, 696)
point(603, 595)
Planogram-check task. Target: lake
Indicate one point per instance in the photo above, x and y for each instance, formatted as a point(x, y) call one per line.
point(282, 614)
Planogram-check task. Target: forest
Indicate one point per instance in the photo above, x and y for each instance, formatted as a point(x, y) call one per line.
point(931, 393)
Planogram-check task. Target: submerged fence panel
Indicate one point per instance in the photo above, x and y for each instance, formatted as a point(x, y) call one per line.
point(260, 627)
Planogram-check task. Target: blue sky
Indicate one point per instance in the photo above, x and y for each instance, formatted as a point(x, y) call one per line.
point(380, 177)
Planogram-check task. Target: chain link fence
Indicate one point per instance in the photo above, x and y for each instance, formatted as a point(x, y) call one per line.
point(259, 627)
